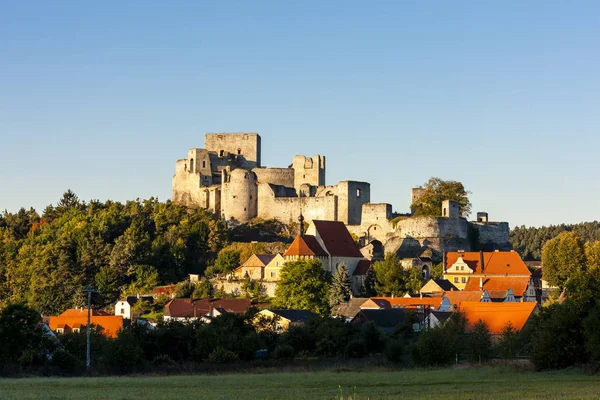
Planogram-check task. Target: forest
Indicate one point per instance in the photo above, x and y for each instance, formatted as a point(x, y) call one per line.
point(529, 241)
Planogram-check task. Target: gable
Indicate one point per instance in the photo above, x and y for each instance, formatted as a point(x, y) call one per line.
point(336, 238)
point(491, 262)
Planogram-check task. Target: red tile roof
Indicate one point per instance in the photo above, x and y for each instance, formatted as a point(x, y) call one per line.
point(187, 308)
point(362, 267)
point(494, 262)
point(457, 297)
point(496, 315)
point(337, 239)
point(110, 324)
point(306, 245)
point(517, 284)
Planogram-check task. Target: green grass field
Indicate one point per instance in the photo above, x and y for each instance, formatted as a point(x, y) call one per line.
point(467, 383)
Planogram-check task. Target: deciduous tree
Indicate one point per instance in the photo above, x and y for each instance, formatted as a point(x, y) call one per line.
point(562, 257)
point(435, 192)
point(304, 285)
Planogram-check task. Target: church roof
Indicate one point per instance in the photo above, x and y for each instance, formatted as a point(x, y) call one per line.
point(337, 239)
point(306, 245)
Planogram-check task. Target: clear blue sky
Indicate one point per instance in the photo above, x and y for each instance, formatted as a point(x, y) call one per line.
point(103, 97)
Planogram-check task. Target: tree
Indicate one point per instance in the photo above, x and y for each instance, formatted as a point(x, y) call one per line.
point(304, 285)
point(227, 261)
point(20, 332)
point(254, 290)
point(592, 255)
point(390, 276)
point(203, 290)
point(479, 342)
point(435, 191)
point(340, 286)
point(367, 288)
point(562, 257)
point(508, 344)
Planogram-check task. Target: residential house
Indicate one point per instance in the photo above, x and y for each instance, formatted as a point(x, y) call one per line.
point(497, 315)
point(273, 269)
point(349, 309)
point(491, 271)
point(436, 318)
point(253, 267)
point(385, 320)
point(437, 286)
point(187, 309)
point(284, 319)
point(433, 303)
point(74, 320)
point(456, 298)
point(123, 306)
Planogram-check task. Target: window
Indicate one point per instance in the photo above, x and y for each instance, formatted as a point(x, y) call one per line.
point(191, 165)
point(463, 280)
point(273, 274)
point(278, 263)
point(203, 164)
point(221, 153)
point(456, 279)
point(122, 311)
point(357, 192)
point(239, 151)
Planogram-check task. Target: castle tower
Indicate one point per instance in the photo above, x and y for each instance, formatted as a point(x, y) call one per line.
point(243, 148)
point(308, 171)
point(239, 199)
point(450, 209)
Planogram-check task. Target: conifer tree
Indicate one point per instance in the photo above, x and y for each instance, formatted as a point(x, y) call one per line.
point(340, 287)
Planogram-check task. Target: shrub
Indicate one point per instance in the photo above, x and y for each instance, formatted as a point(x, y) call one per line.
point(283, 351)
point(162, 359)
point(394, 351)
point(509, 343)
point(64, 360)
point(479, 342)
point(355, 349)
point(222, 356)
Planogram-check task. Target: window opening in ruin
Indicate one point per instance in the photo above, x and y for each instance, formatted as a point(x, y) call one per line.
point(444, 212)
point(191, 165)
point(203, 164)
point(357, 192)
point(221, 153)
point(185, 167)
point(239, 151)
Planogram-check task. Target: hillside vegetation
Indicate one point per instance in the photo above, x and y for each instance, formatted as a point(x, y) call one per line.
point(529, 241)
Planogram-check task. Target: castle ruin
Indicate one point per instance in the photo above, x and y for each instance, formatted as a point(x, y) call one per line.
point(227, 178)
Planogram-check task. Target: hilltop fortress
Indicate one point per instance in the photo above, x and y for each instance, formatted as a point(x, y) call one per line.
point(226, 177)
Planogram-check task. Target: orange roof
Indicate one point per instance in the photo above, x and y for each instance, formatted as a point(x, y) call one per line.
point(494, 262)
point(306, 245)
point(78, 312)
point(457, 297)
point(337, 239)
point(493, 284)
point(411, 302)
point(110, 324)
point(496, 315)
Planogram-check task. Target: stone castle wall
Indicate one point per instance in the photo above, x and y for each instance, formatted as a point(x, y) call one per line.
point(239, 195)
point(275, 176)
point(491, 235)
point(246, 146)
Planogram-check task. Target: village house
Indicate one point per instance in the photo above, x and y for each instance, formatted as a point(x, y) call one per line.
point(124, 306)
point(385, 320)
point(284, 319)
point(496, 272)
point(187, 309)
point(74, 320)
point(497, 315)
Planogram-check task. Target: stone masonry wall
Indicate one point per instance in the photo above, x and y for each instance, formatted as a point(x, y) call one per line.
point(246, 145)
point(276, 176)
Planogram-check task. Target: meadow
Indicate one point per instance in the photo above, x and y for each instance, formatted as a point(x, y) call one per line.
point(464, 383)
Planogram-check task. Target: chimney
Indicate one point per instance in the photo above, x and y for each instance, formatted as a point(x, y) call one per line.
point(481, 260)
